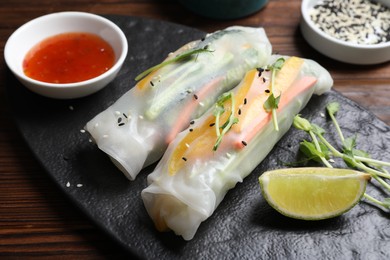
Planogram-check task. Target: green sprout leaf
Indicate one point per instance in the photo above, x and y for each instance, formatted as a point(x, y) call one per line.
point(271, 103)
point(278, 64)
point(333, 108)
point(349, 144)
point(310, 151)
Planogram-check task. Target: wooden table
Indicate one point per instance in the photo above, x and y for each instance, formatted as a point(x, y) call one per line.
point(36, 219)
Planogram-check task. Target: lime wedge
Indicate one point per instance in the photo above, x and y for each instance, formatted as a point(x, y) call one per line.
point(313, 193)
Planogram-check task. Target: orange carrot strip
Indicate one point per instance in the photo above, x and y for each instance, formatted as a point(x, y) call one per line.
point(263, 118)
point(191, 106)
point(248, 81)
point(146, 81)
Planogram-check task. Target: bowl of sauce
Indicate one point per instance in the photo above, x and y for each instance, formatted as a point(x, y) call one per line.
point(66, 55)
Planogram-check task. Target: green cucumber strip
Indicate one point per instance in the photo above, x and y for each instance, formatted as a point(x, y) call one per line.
point(173, 93)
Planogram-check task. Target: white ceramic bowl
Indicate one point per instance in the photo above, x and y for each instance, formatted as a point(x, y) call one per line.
point(363, 54)
point(31, 33)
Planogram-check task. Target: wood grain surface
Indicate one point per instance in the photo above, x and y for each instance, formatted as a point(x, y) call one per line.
point(36, 220)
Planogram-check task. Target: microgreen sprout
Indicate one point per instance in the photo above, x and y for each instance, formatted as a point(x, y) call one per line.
point(319, 149)
point(315, 149)
point(218, 111)
point(272, 102)
point(180, 57)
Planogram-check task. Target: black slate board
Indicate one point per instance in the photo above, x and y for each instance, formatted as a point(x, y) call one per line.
point(243, 226)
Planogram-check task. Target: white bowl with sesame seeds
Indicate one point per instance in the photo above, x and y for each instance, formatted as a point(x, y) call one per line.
point(30, 34)
point(328, 27)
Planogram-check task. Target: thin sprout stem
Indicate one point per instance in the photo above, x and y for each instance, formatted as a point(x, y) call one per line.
point(369, 160)
point(373, 171)
point(314, 138)
point(336, 124)
point(231, 116)
point(275, 119)
point(175, 59)
point(335, 152)
point(272, 81)
point(217, 128)
point(378, 179)
point(375, 201)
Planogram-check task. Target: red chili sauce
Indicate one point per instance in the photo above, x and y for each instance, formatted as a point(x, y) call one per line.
point(68, 58)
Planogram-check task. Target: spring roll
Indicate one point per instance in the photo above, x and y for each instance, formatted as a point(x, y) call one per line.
point(136, 130)
point(223, 146)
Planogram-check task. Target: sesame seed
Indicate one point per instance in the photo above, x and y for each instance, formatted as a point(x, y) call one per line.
point(267, 91)
point(244, 143)
point(355, 21)
point(79, 185)
point(245, 101)
point(117, 113)
point(192, 122)
point(68, 184)
point(82, 130)
point(184, 159)
point(260, 70)
point(187, 145)
point(105, 136)
point(195, 96)
point(121, 124)
point(201, 104)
